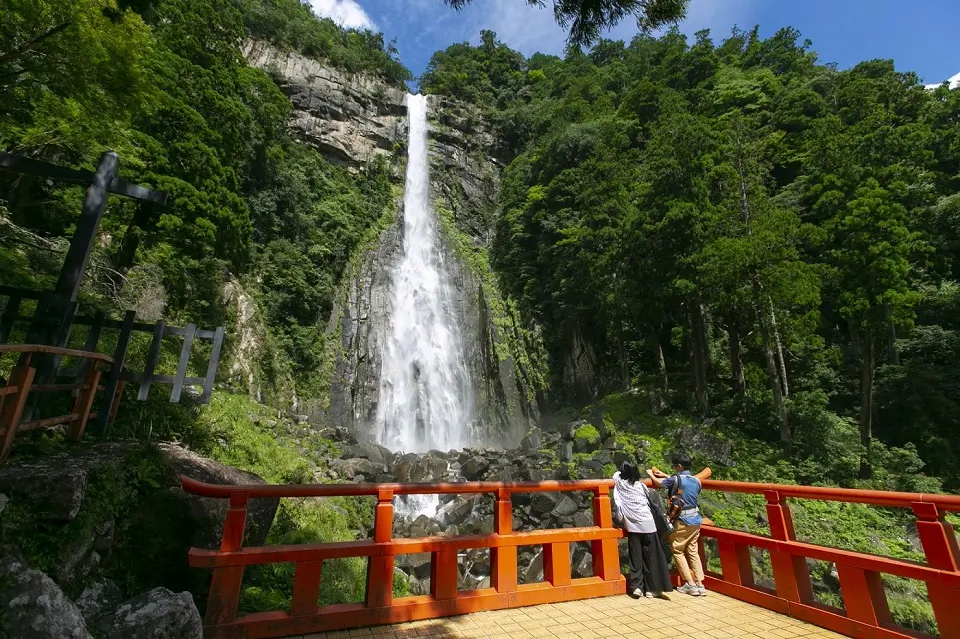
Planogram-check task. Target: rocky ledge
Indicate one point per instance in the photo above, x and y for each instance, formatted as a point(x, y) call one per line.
point(100, 517)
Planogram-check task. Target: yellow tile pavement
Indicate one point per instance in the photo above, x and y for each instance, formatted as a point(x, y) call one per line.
point(711, 617)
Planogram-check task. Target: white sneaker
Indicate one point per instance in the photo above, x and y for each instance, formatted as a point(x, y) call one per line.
point(649, 595)
point(702, 590)
point(637, 593)
point(689, 589)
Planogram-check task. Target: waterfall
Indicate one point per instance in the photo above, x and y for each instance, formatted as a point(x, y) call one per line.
point(426, 396)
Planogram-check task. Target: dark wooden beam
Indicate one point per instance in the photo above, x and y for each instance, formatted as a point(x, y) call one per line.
point(27, 166)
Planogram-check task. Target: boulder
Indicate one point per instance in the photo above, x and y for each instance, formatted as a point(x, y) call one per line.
point(98, 599)
point(156, 614)
point(474, 467)
point(566, 506)
point(366, 450)
point(210, 512)
point(351, 468)
point(583, 565)
point(33, 606)
point(455, 511)
point(54, 485)
point(542, 503)
point(583, 518)
point(565, 453)
point(417, 564)
point(532, 441)
point(534, 570)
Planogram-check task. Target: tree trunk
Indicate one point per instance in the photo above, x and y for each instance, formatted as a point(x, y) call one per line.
point(773, 376)
point(778, 344)
point(660, 363)
point(699, 356)
point(738, 379)
point(866, 403)
point(893, 355)
point(624, 362)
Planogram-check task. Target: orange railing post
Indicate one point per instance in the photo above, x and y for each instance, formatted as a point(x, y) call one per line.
point(380, 567)
point(556, 564)
point(941, 549)
point(606, 555)
point(84, 403)
point(21, 377)
point(225, 585)
point(503, 559)
point(790, 572)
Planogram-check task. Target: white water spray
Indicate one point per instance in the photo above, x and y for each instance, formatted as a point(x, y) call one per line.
point(426, 398)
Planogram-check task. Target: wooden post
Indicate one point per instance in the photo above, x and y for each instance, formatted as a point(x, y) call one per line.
point(94, 204)
point(503, 559)
point(556, 564)
point(212, 365)
point(735, 563)
point(84, 403)
point(380, 567)
point(606, 555)
point(942, 551)
point(225, 585)
point(790, 573)
point(306, 588)
point(12, 409)
point(184, 361)
point(105, 415)
point(159, 329)
point(863, 596)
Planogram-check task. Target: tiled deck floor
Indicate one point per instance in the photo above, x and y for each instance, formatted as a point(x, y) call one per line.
point(712, 617)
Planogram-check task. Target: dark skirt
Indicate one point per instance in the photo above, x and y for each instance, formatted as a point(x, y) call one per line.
point(649, 569)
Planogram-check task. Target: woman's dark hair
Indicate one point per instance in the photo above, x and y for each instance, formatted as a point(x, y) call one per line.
point(629, 472)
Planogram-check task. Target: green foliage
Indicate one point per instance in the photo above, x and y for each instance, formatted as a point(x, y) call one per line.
point(737, 227)
point(291, 23)
point(587, 433)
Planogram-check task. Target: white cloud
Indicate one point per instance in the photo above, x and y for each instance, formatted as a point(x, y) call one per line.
point(954, 82)
point(346, 13)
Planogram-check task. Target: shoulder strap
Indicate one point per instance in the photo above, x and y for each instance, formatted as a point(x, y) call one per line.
point(677, 488)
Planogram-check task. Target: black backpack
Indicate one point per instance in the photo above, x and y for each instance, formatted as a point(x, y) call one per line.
point(676, 503)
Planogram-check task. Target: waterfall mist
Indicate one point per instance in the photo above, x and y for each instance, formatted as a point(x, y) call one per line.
point(426, 396)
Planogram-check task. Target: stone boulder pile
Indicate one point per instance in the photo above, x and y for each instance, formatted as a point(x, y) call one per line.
point(541, 456)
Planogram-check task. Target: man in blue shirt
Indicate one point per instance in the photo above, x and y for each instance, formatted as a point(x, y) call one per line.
point(686, 534)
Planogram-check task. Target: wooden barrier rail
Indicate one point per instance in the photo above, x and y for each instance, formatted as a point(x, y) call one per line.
point(13, 396)
point(866, 612)
point(305, 616)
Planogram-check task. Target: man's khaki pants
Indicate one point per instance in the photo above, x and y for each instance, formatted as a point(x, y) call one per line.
point(686, 552)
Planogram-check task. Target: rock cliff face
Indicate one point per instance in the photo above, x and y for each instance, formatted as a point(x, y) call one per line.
point(349, 118)
point(352, 119)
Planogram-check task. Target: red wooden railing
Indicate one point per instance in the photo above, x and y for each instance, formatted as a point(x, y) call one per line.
point(866, 613)
point(13, 396)
point(380, 607)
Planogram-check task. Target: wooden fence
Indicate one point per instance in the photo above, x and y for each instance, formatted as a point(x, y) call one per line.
point(865, 614)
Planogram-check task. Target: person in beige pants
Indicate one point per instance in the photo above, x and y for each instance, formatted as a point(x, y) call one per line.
point(684, 541)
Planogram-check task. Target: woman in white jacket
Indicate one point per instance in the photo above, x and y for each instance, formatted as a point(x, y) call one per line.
point(649, 570)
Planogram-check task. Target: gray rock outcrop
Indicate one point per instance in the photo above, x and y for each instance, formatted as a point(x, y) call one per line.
point(33, 605)
point(349, 118)
point(156, 614)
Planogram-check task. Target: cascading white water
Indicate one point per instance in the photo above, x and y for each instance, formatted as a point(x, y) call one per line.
point(426, 398)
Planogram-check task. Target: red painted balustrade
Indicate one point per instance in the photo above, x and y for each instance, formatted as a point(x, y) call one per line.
point(866, 612)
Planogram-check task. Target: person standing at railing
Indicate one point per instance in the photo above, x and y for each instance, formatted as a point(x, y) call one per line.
point(683, 490)
point(637, 513)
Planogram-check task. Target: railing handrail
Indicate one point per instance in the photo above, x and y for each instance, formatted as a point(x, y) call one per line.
point(869, 497)
point(54, 350)
point(354, 490)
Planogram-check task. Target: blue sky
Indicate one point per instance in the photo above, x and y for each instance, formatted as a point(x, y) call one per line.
point(920, 35)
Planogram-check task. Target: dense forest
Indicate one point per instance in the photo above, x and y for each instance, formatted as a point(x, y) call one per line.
point(760, 237)
point(164, 84)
